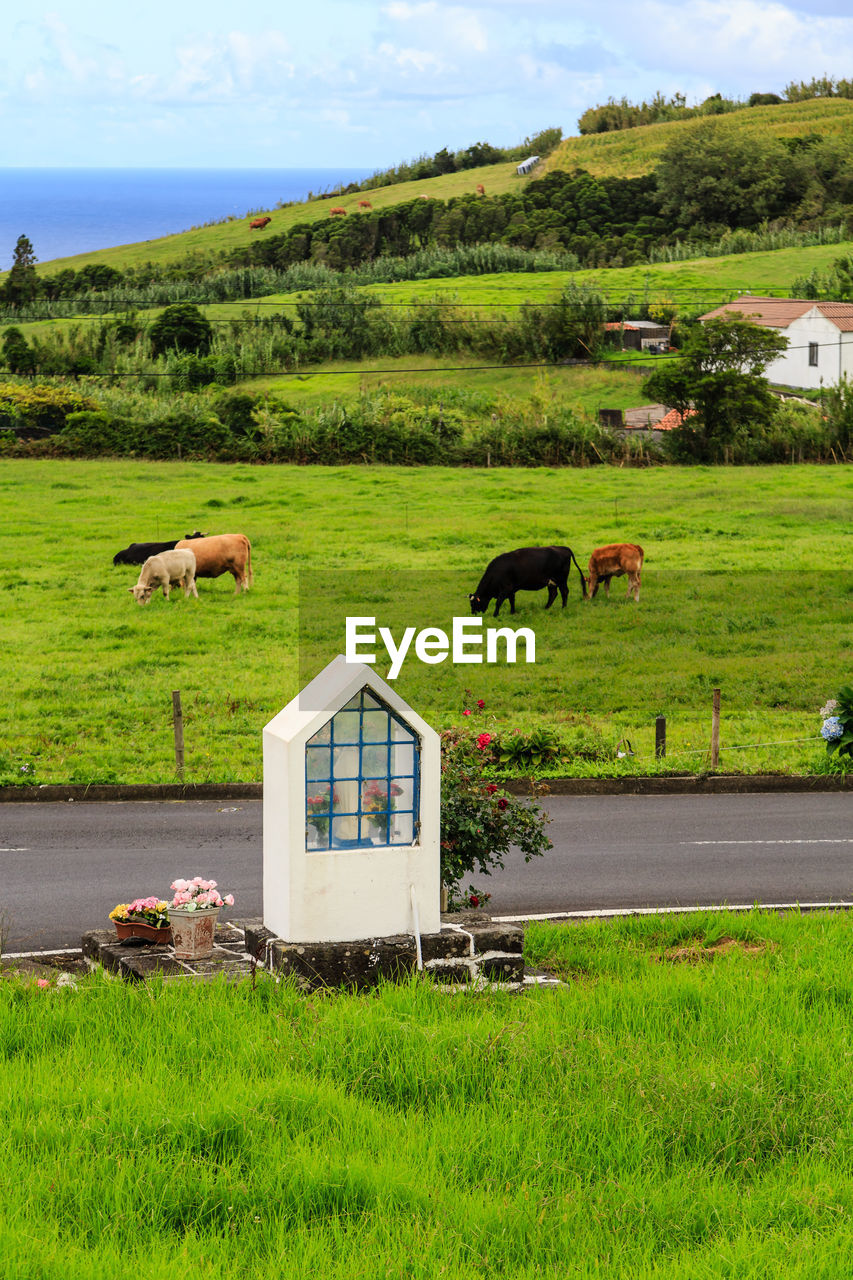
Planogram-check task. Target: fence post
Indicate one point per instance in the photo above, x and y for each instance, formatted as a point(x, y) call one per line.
point(178, 721)
point(660, 737)
point(715, 730)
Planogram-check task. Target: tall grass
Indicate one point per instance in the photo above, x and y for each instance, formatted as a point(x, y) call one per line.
point(655, 1118)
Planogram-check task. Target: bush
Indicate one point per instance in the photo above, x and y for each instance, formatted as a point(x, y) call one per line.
point(183, 328)
point(38, 410)
point(479, 821)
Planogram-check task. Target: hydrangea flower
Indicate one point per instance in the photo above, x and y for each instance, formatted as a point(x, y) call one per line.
point(832, 729)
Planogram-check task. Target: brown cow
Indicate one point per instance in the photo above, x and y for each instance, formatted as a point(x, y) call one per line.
point(611, 562)
point(365, 204)
point(481, 190)
point(336, 211)
point(223, 553)
point(259, 223)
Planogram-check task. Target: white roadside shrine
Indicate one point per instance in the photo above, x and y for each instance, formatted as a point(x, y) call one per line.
point(352, 779)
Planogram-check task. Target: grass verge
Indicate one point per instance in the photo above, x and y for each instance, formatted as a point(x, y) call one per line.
point(680, 1107)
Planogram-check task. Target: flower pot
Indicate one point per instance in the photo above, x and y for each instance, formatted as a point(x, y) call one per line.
point(139, 929)
point(192, 932)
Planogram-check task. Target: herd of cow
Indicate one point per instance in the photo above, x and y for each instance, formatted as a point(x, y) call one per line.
point(179, 563)
point(532, 568)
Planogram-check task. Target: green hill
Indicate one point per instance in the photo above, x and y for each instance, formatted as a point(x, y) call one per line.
point(630, 153)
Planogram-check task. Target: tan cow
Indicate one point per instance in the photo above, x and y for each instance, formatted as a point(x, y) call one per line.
point(223, 553)
point(611, 562)
point(164, 570)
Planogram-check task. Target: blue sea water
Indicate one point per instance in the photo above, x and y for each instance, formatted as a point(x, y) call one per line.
point(68, 211)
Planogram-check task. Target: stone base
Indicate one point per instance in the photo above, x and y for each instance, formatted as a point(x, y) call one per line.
point(474, 952)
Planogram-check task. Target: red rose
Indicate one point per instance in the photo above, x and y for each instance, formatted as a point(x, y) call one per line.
point(484, 740)
point(466, 712)
point(480, 703)
point(474, 900)
point(492, 788)
point(502, 803)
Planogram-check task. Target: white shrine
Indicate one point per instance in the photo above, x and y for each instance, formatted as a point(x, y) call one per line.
point(352, 783)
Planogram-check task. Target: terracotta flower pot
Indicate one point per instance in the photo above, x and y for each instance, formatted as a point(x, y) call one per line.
point(139, 929)
point(192, 932)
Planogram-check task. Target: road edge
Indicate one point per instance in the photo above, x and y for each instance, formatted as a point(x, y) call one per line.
point(689, 784)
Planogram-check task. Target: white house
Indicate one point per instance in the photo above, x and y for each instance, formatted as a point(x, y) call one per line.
point(820, 337)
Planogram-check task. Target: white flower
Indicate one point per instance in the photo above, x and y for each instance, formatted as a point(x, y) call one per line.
point(829, 708)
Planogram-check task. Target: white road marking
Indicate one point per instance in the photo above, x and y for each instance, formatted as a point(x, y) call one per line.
point(21, 849)
point(610, 912)
point(821, 840)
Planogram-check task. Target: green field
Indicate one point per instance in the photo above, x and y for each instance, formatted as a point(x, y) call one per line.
point(746, 587)
point(628, 153)
point(680, 1108)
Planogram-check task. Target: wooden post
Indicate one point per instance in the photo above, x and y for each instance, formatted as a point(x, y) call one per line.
point(178, 721)
point(660, 737)
point(715, 731)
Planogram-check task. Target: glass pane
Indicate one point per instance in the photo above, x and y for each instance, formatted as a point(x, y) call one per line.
point(375, 726)
point(346, 726)
point(322, 735)
point(318, 762)
point(345, 833)
point(402, 760)
point(374, 762)
point(404, 828)
point(346, 762)
point(370, 702)
point(400, 732)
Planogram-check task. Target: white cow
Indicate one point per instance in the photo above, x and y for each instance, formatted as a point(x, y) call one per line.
point(164, 570)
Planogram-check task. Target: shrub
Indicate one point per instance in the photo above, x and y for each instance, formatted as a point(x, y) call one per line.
point(182, 327)
point(38, 410)
point(17, 355)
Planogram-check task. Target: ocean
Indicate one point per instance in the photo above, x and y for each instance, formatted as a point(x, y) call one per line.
point(69, 211)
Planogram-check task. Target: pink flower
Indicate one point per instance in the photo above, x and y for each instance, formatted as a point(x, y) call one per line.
point(197, 880)
point(229, 899)
point(179, 884)
point(43, 982)
point(484, 740)
point(466, 713)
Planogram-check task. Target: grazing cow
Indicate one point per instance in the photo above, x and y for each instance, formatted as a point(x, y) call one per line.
point(336, 211)
point(258, 224)
point(223, 553)
point(138, 552)
point(481, 190)
point(611, 562)
point(365, 204)
point(527, 569)
point(164, 570)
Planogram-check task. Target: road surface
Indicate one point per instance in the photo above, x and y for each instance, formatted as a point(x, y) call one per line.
point(64, 866)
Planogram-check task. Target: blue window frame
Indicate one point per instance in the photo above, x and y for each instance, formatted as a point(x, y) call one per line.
point(362, 778)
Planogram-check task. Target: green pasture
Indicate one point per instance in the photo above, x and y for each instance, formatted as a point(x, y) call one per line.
point(629, 153)
point(583, 389)
point(681, 1107)
point(747, 587)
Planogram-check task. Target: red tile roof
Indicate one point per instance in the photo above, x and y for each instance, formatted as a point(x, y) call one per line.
point(673, 419)
point(777, 313)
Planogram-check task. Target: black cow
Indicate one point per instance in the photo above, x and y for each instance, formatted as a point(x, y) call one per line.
point(527, 569)
point(138, 552)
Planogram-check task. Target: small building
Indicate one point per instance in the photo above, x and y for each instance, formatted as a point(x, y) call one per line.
point(640, 335)
point(820, 337)
point(351, 812)
point(526, 165)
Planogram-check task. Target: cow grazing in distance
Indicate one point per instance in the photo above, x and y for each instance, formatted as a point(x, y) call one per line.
point(365, 204)
point(336, 211)
point(613, 561)
point(223, 553)
point(481, 190)
point(258, 224)
point(165, 570)
point(138, 552)
point(527, 569)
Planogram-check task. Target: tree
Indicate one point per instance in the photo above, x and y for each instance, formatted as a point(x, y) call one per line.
point(182, 327)
point(22, 282)
point(710, 175)
point(17, 355)
point(720, 378)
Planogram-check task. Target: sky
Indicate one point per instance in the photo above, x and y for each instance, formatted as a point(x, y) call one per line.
point(367, 83)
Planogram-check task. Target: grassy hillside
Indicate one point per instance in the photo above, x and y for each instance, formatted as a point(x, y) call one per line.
point(628, 153)
point(222, 236)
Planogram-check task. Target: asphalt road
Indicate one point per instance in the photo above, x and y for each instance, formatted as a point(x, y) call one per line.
point(64, 866)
